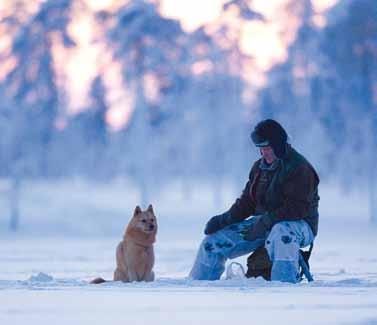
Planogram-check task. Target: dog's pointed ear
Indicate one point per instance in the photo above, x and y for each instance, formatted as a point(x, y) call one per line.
point(137, 210)
point(150, 208)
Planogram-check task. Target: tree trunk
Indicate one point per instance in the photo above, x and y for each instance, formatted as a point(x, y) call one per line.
point(372, 198)
point(14, 200)
point(373, 179)
point(367, 96)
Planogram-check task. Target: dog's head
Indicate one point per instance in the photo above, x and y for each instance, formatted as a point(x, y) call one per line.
point(144, 221)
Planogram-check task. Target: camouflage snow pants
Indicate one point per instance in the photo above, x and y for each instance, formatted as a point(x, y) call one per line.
point(282, 243)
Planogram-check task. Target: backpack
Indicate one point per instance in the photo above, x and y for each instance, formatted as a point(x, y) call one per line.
point(259, 264)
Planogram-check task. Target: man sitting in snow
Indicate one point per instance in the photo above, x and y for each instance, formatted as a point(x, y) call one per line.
point(281, 195)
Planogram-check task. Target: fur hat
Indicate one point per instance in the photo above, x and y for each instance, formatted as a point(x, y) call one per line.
point(270, 133)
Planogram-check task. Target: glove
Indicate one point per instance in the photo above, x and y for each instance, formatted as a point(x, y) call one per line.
point(258, 229)
point(216, 223)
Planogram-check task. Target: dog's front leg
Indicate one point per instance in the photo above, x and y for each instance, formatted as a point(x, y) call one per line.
point(132, 275)
point(150, 277)
point(131, 269)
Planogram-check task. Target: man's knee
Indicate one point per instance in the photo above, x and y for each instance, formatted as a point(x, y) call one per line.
point(281, 235)
point(207, 243)
point(291, 232)
point(210, 243)
point(281, 229)
point(282, 241)
point(282, 226)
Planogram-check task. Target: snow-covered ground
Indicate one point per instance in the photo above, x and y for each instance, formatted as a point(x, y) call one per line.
point(344, 264)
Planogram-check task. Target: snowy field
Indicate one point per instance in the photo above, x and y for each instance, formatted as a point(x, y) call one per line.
point(344, 265)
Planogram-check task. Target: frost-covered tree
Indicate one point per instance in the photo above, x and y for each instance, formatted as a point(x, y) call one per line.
point(349, 43)
point(218, 64)
point(31, 94)
point(12, 166)
point(82, 143)
point(31, 84)
point(145, 43)
point(197, 99)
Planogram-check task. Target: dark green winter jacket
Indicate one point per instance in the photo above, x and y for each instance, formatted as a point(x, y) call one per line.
point(291, 193)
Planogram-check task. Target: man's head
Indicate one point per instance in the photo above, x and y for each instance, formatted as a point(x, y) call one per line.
point(268, 154)
point(271, 138)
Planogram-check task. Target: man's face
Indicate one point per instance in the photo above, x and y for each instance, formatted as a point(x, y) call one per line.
point(268, 154)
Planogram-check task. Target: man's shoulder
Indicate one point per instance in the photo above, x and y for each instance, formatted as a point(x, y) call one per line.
point(296, 161)
point(295, 158)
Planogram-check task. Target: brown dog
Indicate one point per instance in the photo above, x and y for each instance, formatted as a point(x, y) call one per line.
point(134, 254)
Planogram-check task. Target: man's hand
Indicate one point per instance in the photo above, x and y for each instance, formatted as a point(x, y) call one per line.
point(216, 223)
point(258, 230)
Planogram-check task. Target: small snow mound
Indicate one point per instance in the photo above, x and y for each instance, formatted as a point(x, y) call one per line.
point(41, 277)
point(351, 282)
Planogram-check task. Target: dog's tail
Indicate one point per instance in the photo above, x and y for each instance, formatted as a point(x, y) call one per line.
point(97, 281)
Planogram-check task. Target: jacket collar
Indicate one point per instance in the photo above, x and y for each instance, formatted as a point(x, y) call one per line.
point(264, 166)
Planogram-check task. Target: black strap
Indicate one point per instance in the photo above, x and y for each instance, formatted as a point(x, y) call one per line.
point(311, 248)
point(305, 259)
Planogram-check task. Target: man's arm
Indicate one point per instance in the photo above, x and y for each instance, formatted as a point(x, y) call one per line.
point(244, 206)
